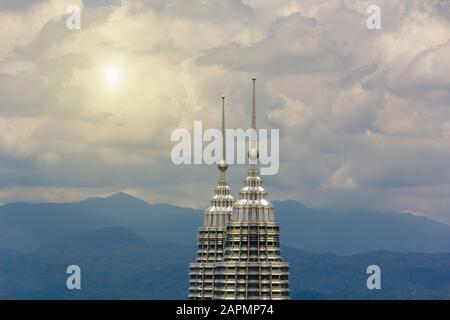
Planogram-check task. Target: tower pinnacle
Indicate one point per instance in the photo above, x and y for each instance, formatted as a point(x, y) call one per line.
point(253, 152)
point(223, 164)
point(211, 235)
point(254, 106)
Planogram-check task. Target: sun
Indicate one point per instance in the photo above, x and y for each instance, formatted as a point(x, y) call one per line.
point(112, 75)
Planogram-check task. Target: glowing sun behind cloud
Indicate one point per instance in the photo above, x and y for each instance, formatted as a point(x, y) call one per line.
point(112, 75)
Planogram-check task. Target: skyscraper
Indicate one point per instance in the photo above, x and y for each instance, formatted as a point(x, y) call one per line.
point(211, 235)
point(251, 266)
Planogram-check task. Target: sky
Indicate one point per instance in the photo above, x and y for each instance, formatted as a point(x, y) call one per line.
point(364, 115)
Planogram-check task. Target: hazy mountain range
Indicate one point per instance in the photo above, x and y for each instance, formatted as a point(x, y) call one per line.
point(129, 249)
point(117, 264)
point(25, 226)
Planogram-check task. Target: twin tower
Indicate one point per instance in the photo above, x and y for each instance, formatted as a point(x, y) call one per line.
point(238, 254)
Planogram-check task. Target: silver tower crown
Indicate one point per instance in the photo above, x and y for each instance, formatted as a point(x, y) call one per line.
point(253, 204)
point(252, 266)
point(219, 213)
point(211, 236)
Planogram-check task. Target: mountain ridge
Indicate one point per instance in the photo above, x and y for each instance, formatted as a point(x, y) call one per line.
point(26, 226)
point(116, 263)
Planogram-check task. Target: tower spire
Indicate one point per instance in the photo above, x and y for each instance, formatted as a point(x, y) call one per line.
point(253, 150)
point(223, 166)
point(224, 146)
point(254, 106)
point(211, 235)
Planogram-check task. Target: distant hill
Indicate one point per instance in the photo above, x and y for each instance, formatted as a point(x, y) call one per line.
point(403, 275)
point(349, 232)
point(25, 227)
point(115, 264)
point(118, 264)
point(8, 253)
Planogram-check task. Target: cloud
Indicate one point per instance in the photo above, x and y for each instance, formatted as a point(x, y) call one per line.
point(18, 4)
point(341, 179)
point(427, 77)
point(363, 115)
point(293, 44)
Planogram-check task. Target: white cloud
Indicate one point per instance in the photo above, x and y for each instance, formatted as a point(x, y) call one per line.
point(364, 116)
point(341, 178)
